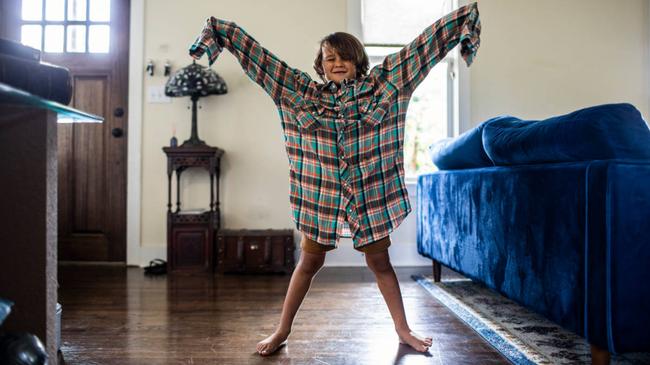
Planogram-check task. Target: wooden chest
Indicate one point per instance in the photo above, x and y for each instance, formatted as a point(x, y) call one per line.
point(255, 251)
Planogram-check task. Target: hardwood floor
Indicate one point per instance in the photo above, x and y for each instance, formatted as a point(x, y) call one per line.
point(116, 315)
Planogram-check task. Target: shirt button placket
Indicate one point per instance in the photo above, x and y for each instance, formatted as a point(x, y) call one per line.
point(352, 215)
point(347, 191)
point(339, 139)
point(346, 188)
point(345, 185)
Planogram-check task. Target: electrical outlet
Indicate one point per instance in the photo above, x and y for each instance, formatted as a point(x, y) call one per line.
point(156, 94)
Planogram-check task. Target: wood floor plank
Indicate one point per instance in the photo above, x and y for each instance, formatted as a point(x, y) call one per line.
point(116, 315)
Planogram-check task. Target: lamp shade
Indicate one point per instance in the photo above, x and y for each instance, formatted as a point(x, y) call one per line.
point(196, 81)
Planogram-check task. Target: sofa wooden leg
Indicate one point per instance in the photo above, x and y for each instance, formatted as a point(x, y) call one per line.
point(599, 356)
point(437, 268)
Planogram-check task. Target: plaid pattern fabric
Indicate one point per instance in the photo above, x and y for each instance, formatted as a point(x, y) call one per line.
point(345, 142)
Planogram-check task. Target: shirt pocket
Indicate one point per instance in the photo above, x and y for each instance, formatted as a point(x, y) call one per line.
point(305, 116)
point(366, 102)
point(373, 108)
point(377, 115)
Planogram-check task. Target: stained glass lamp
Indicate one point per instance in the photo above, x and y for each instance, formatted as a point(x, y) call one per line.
point(195, 81)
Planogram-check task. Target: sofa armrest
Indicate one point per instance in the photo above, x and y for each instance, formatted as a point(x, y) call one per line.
point(617, 256)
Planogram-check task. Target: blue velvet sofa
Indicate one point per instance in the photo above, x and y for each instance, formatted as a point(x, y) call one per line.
point(554, 214)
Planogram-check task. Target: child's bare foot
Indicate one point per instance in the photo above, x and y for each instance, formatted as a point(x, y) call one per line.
point(418, 342)
point(272, 343)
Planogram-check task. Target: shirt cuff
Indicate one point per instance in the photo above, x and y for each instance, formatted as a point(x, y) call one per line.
point(207, 42)
point(470, 35)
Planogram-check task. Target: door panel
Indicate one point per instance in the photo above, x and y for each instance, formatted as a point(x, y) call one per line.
point(88, 192)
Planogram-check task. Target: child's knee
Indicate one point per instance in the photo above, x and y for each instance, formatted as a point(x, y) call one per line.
point(310, 263)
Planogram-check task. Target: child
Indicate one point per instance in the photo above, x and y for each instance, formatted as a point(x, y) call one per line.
point(344, 140)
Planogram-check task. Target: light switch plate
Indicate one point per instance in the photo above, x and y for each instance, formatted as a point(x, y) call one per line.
point(156, 94)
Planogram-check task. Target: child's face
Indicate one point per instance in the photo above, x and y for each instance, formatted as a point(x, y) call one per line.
point(336, 69)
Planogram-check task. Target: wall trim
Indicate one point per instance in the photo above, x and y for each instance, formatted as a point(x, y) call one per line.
point(463, 92)
point(354, 16)
point(134, 134)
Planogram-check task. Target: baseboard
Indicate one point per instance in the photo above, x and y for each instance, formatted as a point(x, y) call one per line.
point(402, 254)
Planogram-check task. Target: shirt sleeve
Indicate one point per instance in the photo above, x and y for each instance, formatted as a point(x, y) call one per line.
point(263, 67)
point(406, 68)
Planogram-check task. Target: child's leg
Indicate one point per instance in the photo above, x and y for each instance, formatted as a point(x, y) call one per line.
point(379, 262)
point(311, 260)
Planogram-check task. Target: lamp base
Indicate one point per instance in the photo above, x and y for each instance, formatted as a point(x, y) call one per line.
point(194, 142)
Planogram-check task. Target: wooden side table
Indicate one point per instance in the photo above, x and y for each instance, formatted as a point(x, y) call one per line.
point(190, 234)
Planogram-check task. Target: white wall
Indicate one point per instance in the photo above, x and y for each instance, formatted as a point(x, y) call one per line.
point(537, 59)
point(543, 58)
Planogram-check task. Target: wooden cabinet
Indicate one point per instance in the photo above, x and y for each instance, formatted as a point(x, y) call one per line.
point(255, 251)
point(190, 241)
point(190, 234)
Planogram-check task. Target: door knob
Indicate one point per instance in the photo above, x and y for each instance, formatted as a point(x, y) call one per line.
point(118, 112)
point(117, 132)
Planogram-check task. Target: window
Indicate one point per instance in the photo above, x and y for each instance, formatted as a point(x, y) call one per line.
point(66, 26)
point(431, 113)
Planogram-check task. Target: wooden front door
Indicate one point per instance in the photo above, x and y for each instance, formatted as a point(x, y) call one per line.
point(90, 37)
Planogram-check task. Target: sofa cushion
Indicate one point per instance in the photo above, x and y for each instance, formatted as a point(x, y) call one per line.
point(610, 131)
point(462, 152)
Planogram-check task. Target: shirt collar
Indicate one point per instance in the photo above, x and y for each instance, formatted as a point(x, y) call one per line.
point(348, 82)
point(333, 87)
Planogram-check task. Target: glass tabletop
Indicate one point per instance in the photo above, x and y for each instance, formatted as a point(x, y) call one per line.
point(12, 96)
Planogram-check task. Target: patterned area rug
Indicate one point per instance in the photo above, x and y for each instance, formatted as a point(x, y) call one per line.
point(521, 335)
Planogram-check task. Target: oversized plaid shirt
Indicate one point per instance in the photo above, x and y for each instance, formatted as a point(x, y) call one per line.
point(345, 142)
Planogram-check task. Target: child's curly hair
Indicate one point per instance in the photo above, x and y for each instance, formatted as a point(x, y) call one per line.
point(348, 47)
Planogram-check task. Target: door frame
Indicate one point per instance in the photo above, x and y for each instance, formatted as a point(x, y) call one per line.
point(134, 250)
